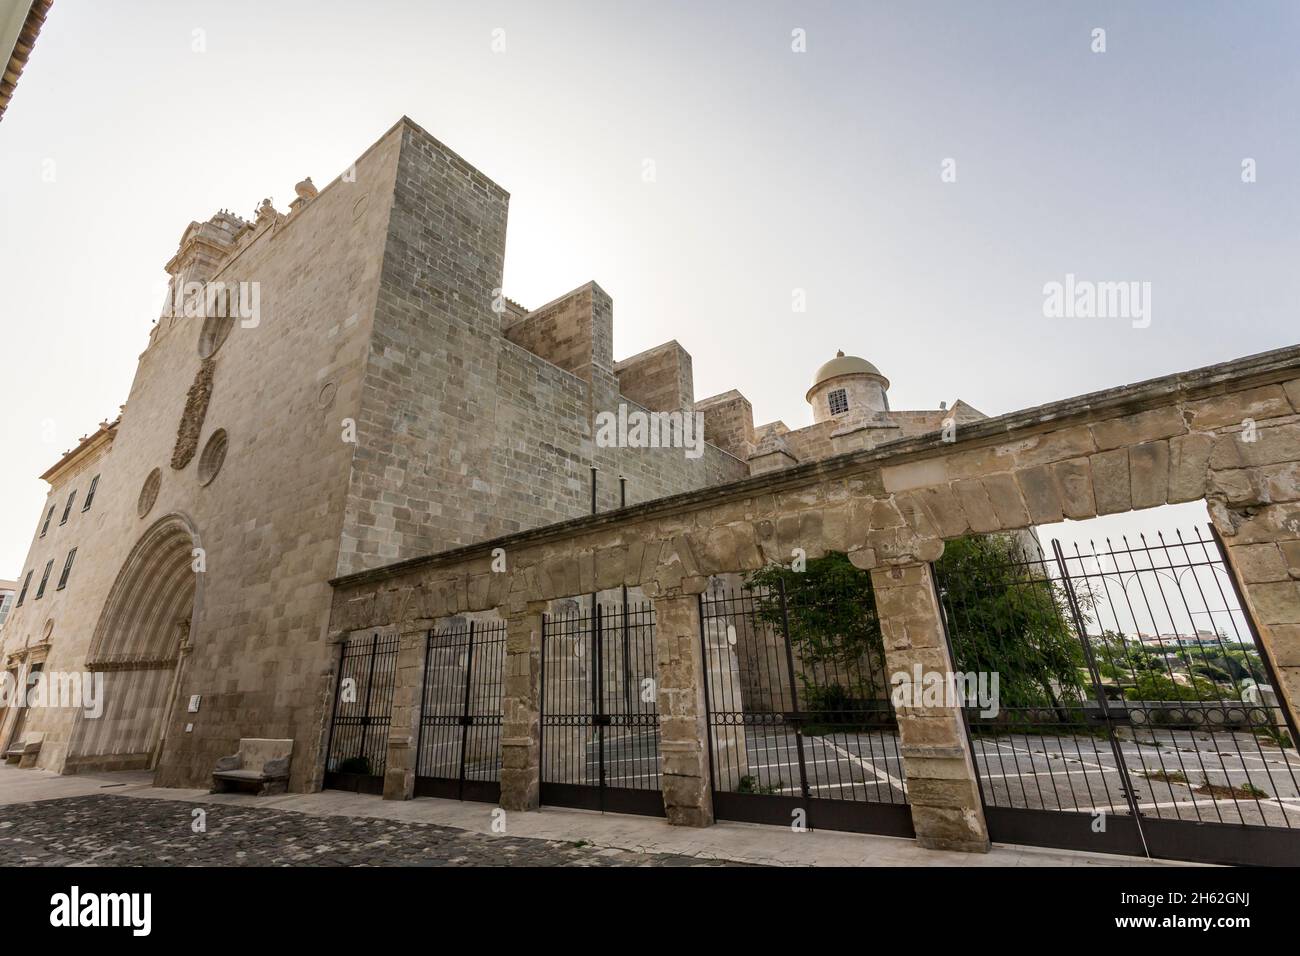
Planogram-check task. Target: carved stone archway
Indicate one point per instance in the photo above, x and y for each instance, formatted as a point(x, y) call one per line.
point(138, 645)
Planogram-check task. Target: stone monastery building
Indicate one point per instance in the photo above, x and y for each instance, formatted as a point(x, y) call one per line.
point(384, 402)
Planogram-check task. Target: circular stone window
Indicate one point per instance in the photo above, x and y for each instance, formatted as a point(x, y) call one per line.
point(149, 493)
point(214, 333)
point(214, 453)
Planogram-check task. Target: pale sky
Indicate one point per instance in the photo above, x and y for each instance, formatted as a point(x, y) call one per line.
point(774, 171)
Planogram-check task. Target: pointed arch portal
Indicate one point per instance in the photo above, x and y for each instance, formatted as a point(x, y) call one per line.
point(139, 644)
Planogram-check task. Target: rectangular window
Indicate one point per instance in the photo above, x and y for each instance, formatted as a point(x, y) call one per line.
point(839, 401)
point(90, 495)
point(44, 579)
point(27, 582)
point(48, 515)
point(67, 509)
point(67, 567)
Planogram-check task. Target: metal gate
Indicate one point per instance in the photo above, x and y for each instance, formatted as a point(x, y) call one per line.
point(458, 754)
point(799, 715)
point(363, 708)
point(600, 720)
point(1137, 714)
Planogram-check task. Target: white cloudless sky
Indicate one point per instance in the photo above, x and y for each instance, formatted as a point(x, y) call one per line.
point(775, 171)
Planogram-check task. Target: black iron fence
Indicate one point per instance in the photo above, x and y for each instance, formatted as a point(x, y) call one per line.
point(599, 710)
point(800, 723)
point(363, 706)
point(1136, 711)
point(458, 753)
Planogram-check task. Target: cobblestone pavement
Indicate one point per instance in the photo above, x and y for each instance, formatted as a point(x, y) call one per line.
point(125, 831)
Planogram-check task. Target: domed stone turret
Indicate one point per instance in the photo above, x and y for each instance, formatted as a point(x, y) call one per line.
point(847, 385)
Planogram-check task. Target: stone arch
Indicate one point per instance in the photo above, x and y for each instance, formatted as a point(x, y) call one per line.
point(139, 644)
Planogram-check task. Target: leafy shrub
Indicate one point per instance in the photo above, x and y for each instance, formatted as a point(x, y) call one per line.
point(1160, 687)
point(751, 784)
point(359, 765)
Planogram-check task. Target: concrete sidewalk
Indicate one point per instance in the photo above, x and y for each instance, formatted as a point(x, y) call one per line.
point(738, 842)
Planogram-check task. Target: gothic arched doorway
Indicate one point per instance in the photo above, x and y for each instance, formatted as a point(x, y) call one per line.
point(139, 645)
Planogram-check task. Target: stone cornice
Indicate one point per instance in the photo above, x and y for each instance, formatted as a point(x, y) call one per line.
point(22, 49)
point(92, 443)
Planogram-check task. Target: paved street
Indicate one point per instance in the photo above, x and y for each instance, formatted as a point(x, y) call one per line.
point(121, 819)
point(106, 830)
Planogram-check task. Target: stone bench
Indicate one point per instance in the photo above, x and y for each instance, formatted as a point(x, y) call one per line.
point(262, 765)
point(25, 752)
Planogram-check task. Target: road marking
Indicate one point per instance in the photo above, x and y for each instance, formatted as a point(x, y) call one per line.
point(868, 765)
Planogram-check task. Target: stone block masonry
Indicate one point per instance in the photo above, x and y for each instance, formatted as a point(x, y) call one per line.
point(378, 411)
point(476, 423)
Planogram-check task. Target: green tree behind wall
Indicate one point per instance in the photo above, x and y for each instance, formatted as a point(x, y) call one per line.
point(1005, 618)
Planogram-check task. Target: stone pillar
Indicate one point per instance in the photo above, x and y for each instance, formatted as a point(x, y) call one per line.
point(404, 727)
point(1264, 553)
point(520, 709)
point(942, 788)
point(688, 799)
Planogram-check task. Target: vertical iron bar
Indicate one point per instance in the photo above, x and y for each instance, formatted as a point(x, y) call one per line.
point(627, 661)
point(794, 702)
point(627, 672)
point(598, 708)
point(338, 686)
point(464, 712)
point(598, 687)
point(708, 710)
point(541, 709)
point(370, 685)
point(1097, 688)
point(424, 702)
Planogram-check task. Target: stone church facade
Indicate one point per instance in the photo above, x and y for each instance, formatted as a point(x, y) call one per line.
point(383, 401)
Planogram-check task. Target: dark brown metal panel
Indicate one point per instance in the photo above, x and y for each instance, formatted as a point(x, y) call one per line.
point(1066, 830)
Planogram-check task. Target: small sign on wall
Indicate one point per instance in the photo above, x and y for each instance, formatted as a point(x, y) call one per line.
point(194, 703)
